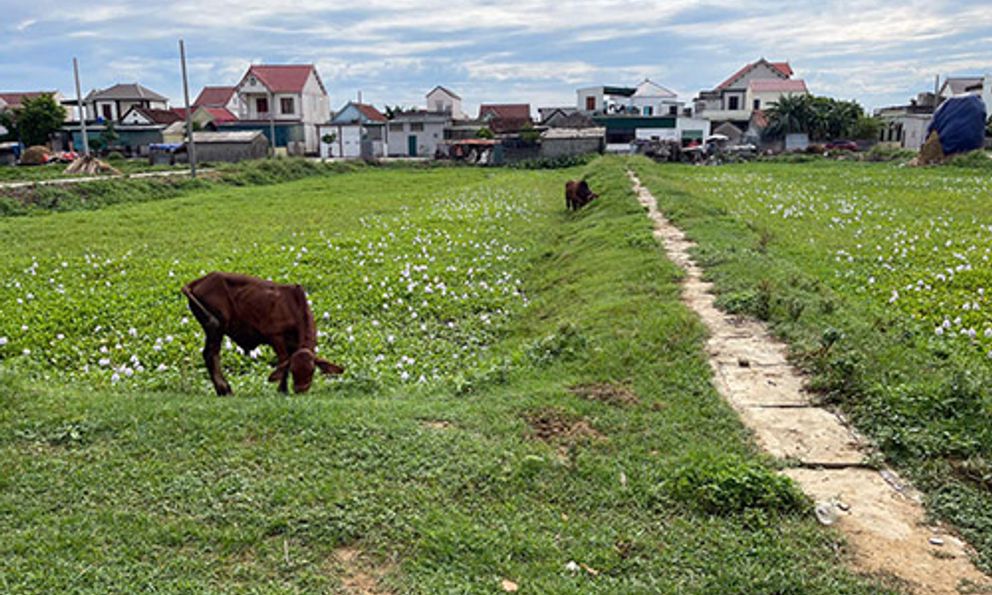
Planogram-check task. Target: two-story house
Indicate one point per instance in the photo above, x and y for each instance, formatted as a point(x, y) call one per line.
point(289, 98)
point(112, 103)
point(646, 99)
point(647, 111)
point(753, 87)
point(441, 99)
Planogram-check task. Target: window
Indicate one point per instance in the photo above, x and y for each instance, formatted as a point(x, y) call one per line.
point(286, 105)
point(648, 110)
point(108, 111)
point(591, 104)
point(673, 110)
point(416, 126)
point(396, 126)
point(733, 103)
point(262, 105)
point(757, 104)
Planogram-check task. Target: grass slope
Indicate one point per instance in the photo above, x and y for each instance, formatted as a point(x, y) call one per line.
point(494, 469)
point(876, 275)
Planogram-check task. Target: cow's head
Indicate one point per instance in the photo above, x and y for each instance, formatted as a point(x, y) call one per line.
point(302, 365)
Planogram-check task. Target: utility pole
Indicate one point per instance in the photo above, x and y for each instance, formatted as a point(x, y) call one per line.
point(272, 122)
point(190, 145)
point(79, 106)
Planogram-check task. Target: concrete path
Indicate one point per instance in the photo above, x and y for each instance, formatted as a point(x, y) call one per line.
point(879, 514)
point(84, 179)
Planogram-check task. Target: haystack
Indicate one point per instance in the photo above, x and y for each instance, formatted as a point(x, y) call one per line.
point(36, 155)
point(931, 152)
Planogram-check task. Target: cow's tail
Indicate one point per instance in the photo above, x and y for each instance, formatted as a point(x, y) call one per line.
point(206, 311)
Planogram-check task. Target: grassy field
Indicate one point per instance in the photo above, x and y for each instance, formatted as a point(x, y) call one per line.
point(525, 400)
point(880, 278)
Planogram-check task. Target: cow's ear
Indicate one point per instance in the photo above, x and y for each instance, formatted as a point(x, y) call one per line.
point(280, 372)
point(327, 367)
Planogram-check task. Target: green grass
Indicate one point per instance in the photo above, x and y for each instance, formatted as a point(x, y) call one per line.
point(877, 276)
point(149, 482)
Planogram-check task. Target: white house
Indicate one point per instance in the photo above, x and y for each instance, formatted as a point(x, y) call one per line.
point(290, 96)
point(736, 98)
point(112, 103)
point(762, 93)
point(651, 99)
point(646, 99)
point(416, 133)
point(357, 131)
point(441, 99)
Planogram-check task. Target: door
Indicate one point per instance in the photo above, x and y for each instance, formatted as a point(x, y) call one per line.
point(411, 145)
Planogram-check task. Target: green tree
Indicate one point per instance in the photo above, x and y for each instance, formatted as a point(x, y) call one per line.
point(823, 118)
point(529, 134)
point(392, 111)
point(485, 133)
point(109, 135)
point(7, 121)
point(866, 128)
point(790, 114)
point(37, 118)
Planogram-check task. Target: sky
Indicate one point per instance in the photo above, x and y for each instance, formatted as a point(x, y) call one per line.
point(505, 51)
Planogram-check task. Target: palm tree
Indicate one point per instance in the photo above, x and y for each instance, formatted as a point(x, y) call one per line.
point(788, 115)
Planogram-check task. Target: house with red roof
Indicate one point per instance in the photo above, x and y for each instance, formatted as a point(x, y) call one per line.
point(288, 97)
point(219, 97)
point(14, 99)
point(357, 131)
point(505, 118)
point(755, 86)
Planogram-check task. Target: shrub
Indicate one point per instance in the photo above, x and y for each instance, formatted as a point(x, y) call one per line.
point(888, 153)
point(115, 156)
point(725, 484)
point(561, 162)
point(978, 159)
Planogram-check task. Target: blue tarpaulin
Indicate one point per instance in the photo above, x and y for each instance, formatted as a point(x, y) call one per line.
point(960, 124)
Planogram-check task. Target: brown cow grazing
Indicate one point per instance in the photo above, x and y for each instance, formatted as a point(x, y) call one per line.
point(578, 194)
point(254, 312)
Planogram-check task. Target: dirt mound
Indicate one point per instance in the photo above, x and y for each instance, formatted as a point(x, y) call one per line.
point(357, 578)
point(552, 425)
point(606, 392)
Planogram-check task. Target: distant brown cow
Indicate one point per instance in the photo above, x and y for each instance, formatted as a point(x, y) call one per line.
point(577, 194)
point(254, 312)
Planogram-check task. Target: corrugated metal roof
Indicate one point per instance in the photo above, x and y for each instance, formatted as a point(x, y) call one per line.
point(237, 136)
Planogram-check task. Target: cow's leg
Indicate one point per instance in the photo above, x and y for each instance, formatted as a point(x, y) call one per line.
point(211, 357)
point(282, 364)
